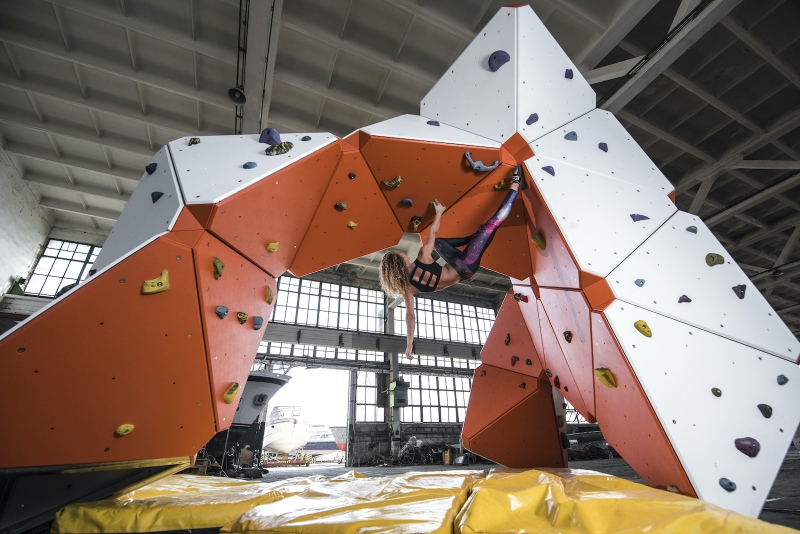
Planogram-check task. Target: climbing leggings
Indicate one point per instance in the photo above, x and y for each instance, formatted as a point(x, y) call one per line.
point(467, 262)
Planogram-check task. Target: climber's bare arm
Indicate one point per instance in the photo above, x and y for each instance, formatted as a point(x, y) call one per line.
point(427, 248)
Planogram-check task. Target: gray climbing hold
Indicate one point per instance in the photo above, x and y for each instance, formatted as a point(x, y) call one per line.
point(603, 147)
point(564, 441)
point(692, 229)
point(571, 136)
point(727, 485)
point(257, 322)
point(532, 118)
point(568, 74)
point(270, 136)
point(781, 378)
point(351, 175)
point(151, 168)
point(92, 271)
point(739, 290)
point(221, 311)
point(478, 166)
point(766, 410)
point(683, 298)
point(155, 195)
point(250, 165)
point(637, 217)
point(556, 382)
point(748, 446)
point(716, 392)
point(433, 123)
point(549, 170)
point(306, 138)
point(406, 202)
point(639, 282)
point(498, 59)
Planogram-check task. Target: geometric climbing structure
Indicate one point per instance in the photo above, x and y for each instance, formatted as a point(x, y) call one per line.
point(616, 307)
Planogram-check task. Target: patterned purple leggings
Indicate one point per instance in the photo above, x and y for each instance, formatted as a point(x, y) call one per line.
point(467, 262)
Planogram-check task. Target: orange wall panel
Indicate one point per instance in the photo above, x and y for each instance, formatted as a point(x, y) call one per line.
point(530, 314)
point(231, 346)
point(278, 209)
point(627, 420)
point(329, 241)
point(521, 347)
point(105, 356)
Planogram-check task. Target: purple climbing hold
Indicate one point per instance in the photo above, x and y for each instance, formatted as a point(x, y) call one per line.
point(250, 165)
point(684, 298)
point(270, 136)
point(257, 322)
point(636, 217)
point(514, 360)
point(603, 147)
point(533, 118)
point(557, 382)
point(639, 282)
point(306, 138)
point(782, 380)
point(748, 446)
point(498, 59)
point(692, 229)
point(155, 195)
point(727, 485)
point(433, 123)
point(571, 136)
point(568, 74)
point(549, 170)
point(766, 410)
point(221, 311)
point(151, 168)
point(739, 290)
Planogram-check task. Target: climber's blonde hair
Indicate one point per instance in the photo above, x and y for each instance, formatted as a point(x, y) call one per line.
point(394, 274)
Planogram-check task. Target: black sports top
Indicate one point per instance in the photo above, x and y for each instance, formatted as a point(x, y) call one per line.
point(429, 283)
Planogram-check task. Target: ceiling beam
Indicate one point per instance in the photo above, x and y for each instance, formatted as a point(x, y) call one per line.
point(434, 18)
point(40, 154)
point(666, 136)
point(766, 164)
point(577, 13)
point(754, 200)
point(263, 21)
point(611, 72)
point(685, 7)
point(271, 59)
point(758, 235)
point(625, 19)
point(65, 185)
point(69, 207)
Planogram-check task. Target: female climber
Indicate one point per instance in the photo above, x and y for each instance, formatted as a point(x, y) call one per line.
point(401, 276)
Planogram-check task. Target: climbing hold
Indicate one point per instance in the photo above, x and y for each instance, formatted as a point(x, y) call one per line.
point(639, 282)
point(250, 165)
point(568, 74)
point(692, 229)
point(123, 430)
point(415, 222)
point(194, 141)
point(478, 166)
point(351, 175)
point(673, 489)
point(714, 259)
point(406, 202)
point(241, 317)
point(782, 380)
point(571, 136)
point(219, 268)
point(522, 385)
point(683, 298)
point(549, 373)
point(561, 420)
point(433, 123)
point(92, 271)
point(230, 395)
point(433, 203)
point(507, 339)
point(643, 329)
point(739, 290)
point(151, 168)
point(352, 225)
point(636, 217)
point(568, 336)
point(280, 148)
point(766, 410)
point(257, 322)
point(564, 441)
point(156, 285)
point(498, 59)
point(272, 247)
point(549, 170)
point(394, 183)
point(528, 362)
point(748, 446)
point(605, 377)
point(557, 382)
point(270, 295)
point(155, 195)
point(519, 297)
point(538, 240)
point(482, 373)
point(532, 118)
point(727, 485)
point(269, 136)
point(716, 392)
point(514, 360)
point(340, 206)
point(221, 311)
point(501, 186)
point(603, 147)
point(306, 138)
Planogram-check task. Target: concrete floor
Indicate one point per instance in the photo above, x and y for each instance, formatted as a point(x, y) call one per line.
point(782, 506)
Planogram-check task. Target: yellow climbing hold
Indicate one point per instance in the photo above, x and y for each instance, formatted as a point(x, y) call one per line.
point(194, 140)
point(714, 259)
point(270, 296)
point(415, 222)
point(394, 183)
point(605, 377)
point(241, 317)
point(230, 395)
point(538, 240)
point(673, 488)
point(156, 285)
point(352, 225)
point(501, 186)
point(434, 202)
point(219, 268)
point(272, 247)
point(643, 329)
point(123, 430)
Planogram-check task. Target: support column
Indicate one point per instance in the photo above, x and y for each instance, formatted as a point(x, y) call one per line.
point(394, 373)
point(352, 443)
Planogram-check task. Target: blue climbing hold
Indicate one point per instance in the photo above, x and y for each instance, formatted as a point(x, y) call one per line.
point(533, 118)
point(221, 311)
point(306, 138)
point(250, 165)
point(782, 380)
point(498, 59)
point(155, 195)
point(571, 136)
point(603, 147)
point(639, 282)
point(433, 123)
point(351, 175)
point(478, 166)
point(568, 74)
point(727, 485)
point(270, 136)
point(739, 290)
point(684, 298)
point(692, 229)
point(549, 170)
point(151, 168)
point(257, 322)
point(637, 217)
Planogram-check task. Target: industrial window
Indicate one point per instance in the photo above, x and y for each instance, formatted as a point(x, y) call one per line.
point(306, 354)
point(366, 399)
point(436, 399)
point(447, 321)
point(62, 263)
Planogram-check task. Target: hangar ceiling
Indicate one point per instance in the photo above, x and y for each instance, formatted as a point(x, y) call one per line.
point(90, 89)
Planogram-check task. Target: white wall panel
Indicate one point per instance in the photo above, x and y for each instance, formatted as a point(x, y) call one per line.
point(417, 127)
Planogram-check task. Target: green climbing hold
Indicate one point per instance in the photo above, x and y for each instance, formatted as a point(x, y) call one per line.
point(194, 141)
point(394, 183)
point(714, 259)
point(549, 373)
point(219, 268)
point(507, 339)
point(568, 336)
point(241, 317)
point(500, 186)
point(280, 148)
